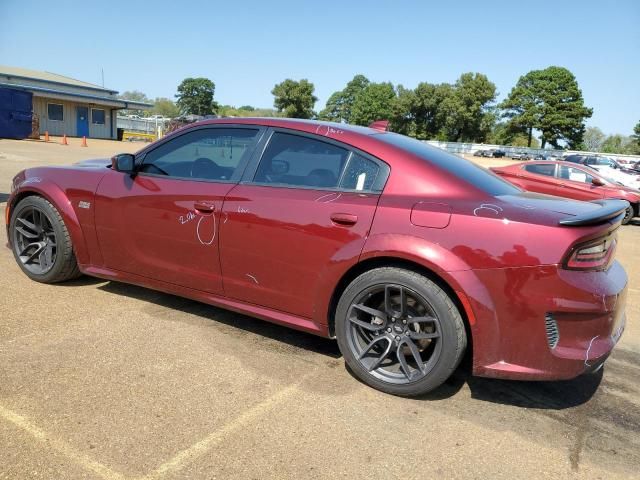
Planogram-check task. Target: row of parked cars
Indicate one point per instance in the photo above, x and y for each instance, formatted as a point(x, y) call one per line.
point(580, 177)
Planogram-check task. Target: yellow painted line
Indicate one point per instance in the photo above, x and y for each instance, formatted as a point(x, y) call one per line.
point(197, 449)
point(59, 446)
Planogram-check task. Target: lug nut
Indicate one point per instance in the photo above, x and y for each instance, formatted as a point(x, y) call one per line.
point(404, 322)
point(389, 330)
point(397, 338)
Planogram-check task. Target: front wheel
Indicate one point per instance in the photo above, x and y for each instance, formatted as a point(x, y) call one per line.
point(41, 242)
point(399, 332)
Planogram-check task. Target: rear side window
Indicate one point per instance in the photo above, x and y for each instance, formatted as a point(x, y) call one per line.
point(544, 169)
point(360, 174)
point(301, 161)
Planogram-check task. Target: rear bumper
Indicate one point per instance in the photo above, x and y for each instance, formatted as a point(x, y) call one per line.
point(544, 323)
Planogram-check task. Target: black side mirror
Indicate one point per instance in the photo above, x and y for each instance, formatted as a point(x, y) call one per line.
point(123, 162)
point(597, 182)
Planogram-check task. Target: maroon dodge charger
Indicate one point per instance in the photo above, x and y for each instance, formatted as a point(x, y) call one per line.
point(407, 255)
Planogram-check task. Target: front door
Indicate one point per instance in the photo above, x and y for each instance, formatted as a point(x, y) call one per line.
point(578, 184)
point(82, 121)
point(308, 208)
point(164, 223)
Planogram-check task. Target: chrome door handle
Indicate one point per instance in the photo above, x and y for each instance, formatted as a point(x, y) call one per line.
point(204, 207)
point(344, 218)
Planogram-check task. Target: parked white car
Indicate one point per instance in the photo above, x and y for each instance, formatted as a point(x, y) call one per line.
point(626, 179)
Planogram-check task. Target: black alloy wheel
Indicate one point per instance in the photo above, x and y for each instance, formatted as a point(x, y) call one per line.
point(394, 333)
point(41, 242)
point(34, 240)
point(399, 331)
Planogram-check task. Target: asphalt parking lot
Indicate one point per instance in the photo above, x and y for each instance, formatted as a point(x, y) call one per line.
point(110, 381)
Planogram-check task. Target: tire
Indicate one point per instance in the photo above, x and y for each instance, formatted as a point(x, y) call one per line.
point(381, 313)
point(60, 262)
point(628, 215)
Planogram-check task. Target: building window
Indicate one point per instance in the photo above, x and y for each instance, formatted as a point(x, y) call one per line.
point(55, 111)
point(97, 116)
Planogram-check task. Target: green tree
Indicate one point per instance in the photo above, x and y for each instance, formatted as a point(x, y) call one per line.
point(617, 144)
point(422, 109)
point(466, 113)
point(339, 105)
point(593, 139)
point(636, 134)
point(550, 101)
point(165, 107)
point(375, 102)
point(195, 96)
point(136, 96)
point(294, 99)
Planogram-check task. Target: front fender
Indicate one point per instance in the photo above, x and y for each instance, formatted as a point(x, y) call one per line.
point(58, 198)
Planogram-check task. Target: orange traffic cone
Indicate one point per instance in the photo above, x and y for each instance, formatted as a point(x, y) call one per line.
point(46, 136)
point(84, 142)
point(64, 140)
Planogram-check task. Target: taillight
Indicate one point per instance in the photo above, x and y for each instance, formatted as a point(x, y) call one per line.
point(594, 255)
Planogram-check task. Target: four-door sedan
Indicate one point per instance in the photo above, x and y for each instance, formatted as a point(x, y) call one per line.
point(569, 180)
point(407, 255)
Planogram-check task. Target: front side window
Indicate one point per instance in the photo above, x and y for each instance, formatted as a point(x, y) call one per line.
point(301, 161)
point(575, 174)
point(55, 112)
point(541, 169)
point(97, 116)
point(204, 154)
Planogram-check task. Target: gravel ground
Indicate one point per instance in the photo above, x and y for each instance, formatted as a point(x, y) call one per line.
point(105, 380)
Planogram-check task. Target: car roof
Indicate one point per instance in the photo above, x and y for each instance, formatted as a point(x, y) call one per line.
point(315, 126)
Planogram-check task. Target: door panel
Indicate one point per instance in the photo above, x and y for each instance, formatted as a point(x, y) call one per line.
point(163, 223)
point(275, 242)
point(161, 228)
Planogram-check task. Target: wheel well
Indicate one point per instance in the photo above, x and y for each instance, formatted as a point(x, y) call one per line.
point(21, 196)
point(378, 262)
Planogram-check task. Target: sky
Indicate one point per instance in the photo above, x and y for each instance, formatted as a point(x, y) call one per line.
point(246, 47)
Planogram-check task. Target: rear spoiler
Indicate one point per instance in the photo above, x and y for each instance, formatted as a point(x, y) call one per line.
point(610, 210)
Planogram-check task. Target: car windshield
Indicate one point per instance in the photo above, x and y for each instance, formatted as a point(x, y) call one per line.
point(458, 166)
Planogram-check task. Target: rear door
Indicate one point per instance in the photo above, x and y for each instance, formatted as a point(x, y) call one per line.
point(307, 209)
point(164, 223)
point(540, 178)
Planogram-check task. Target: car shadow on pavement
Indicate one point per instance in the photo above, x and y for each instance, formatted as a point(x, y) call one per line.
point(556, 395)
point(263, 328)
point(4, 197)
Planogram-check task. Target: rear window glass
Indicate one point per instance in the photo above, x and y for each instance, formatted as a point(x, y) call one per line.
point(474, 174)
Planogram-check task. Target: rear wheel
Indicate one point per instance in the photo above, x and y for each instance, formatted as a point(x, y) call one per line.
point(399, 332)
point(41, 242)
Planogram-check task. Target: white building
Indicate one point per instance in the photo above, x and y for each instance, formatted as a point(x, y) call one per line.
point(66, 106)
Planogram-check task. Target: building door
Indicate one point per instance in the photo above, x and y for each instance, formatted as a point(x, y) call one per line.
point(82, 121)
